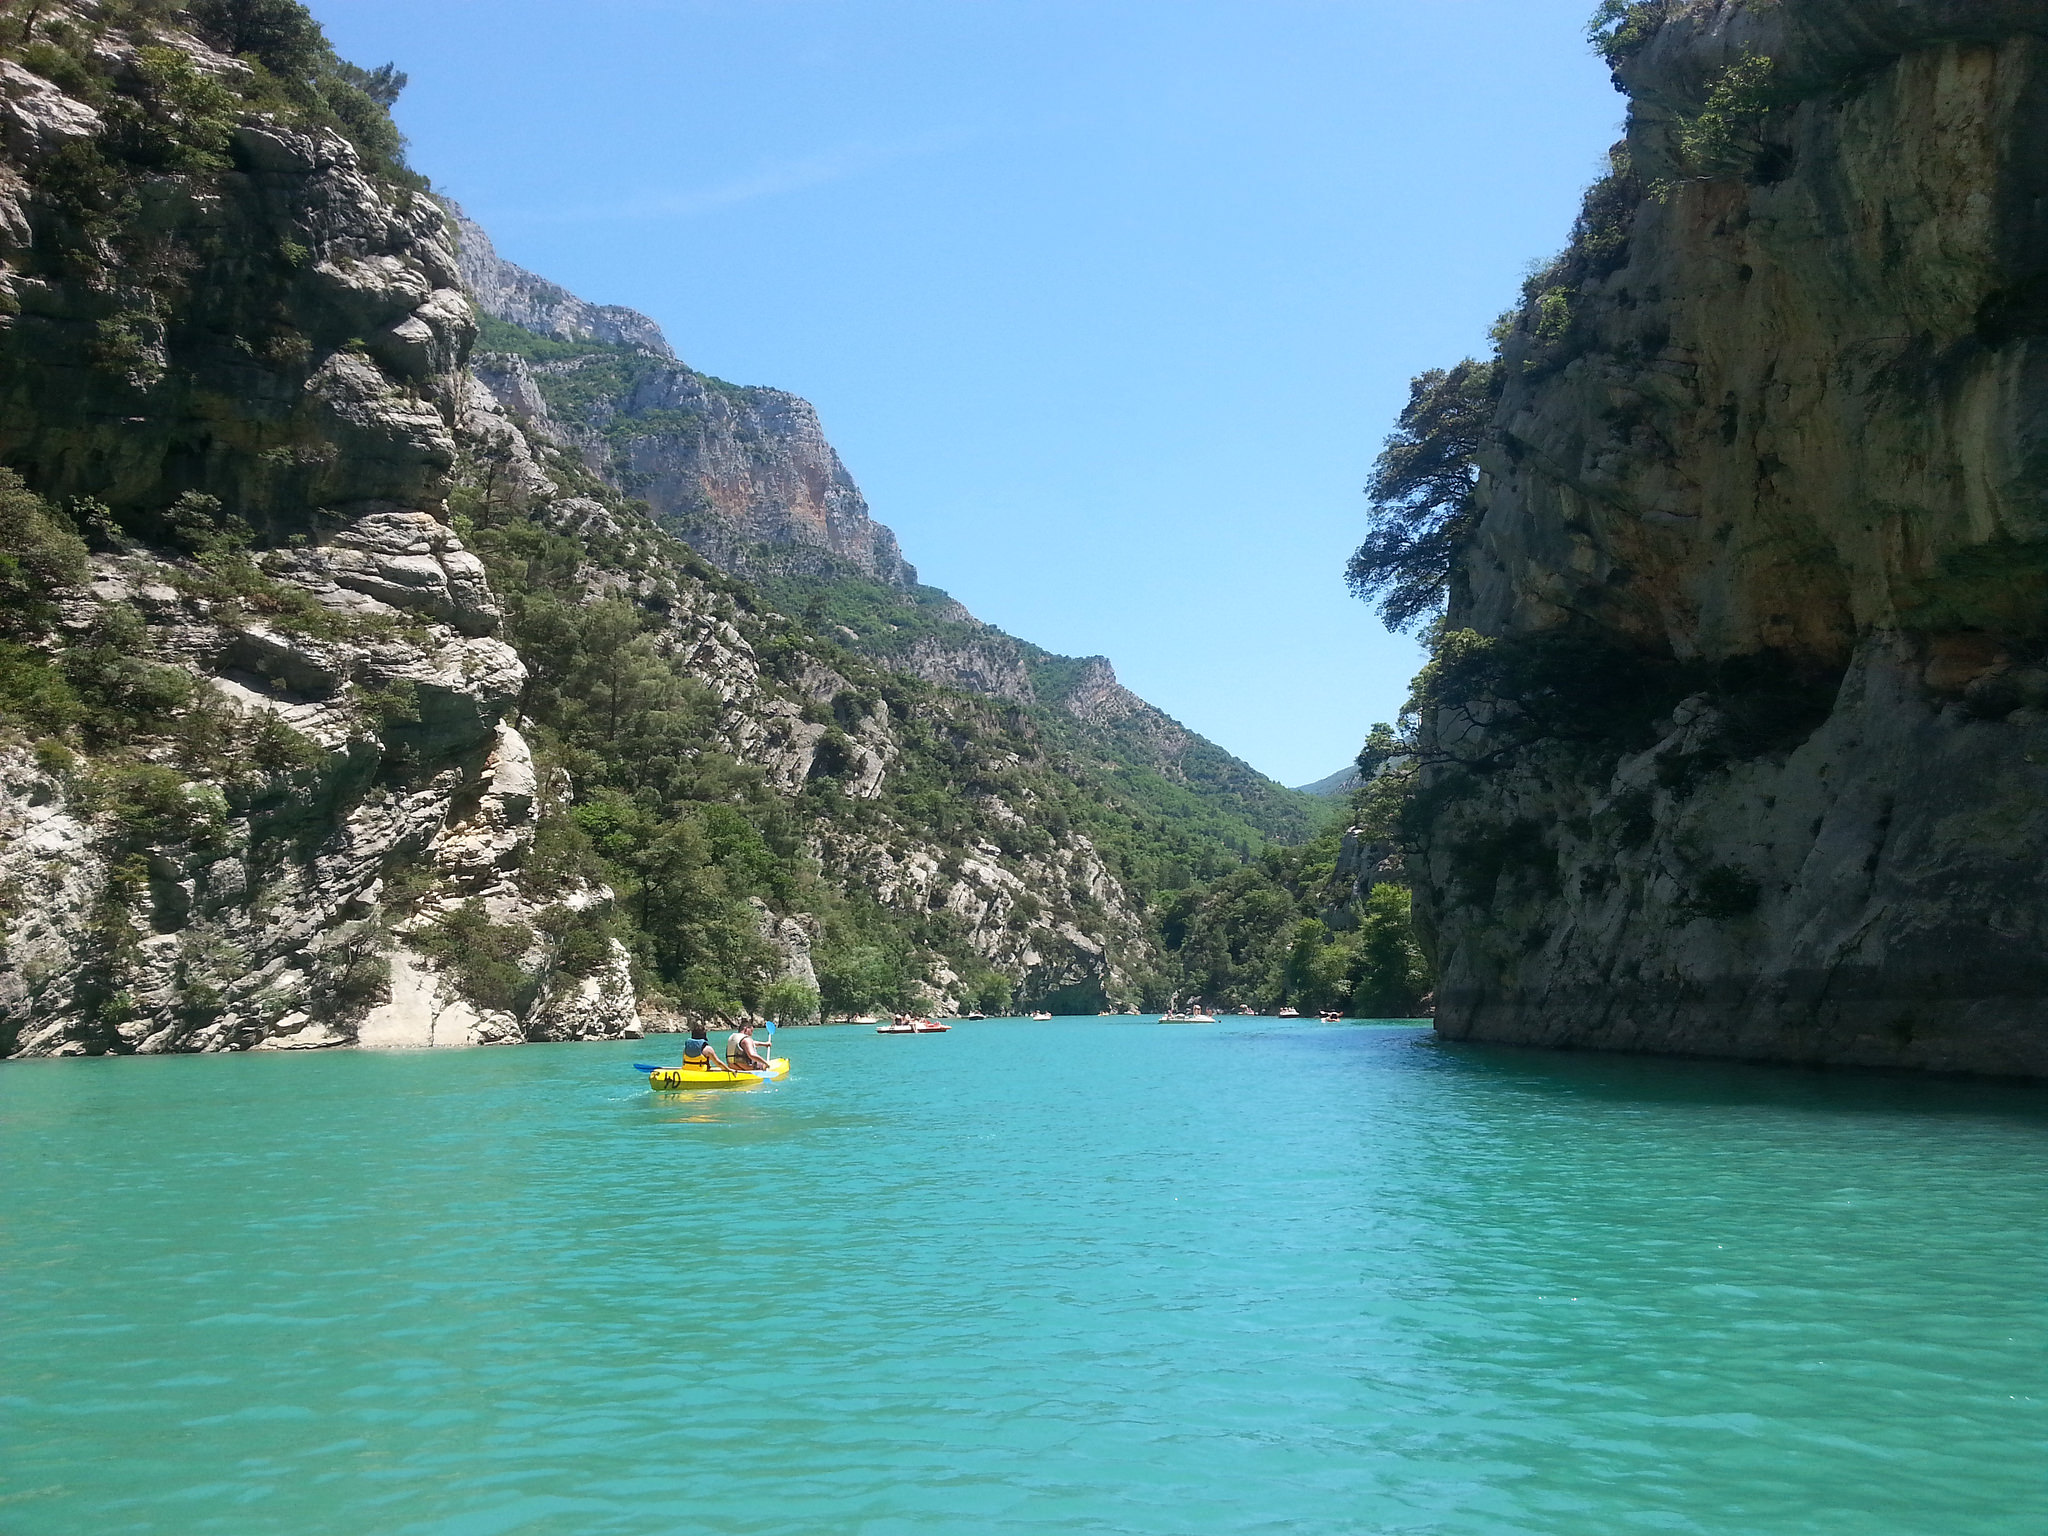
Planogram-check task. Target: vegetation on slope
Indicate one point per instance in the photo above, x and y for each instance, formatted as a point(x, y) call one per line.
point(589, 385)
point(690, 837)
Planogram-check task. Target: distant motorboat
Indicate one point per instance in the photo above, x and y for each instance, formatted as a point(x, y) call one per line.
point(977, 1015)
point(1041, 1018)
point(1187, 1018)
point(1287, 1013)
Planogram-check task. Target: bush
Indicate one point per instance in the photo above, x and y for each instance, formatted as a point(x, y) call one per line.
point(484, 958)
point(39, 555)
point(122, 696)
point(1726, 137)
point(1622, 28)
point(583, 939)
point(279, 34)
point(152, 807)
point(560, 858)
point(789, 1002)
point(34, 694)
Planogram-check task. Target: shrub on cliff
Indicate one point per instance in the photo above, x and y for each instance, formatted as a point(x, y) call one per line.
point(1422, 493)
point(1622, 28)
point(485, 958)
point(39, 556)
point(1726, 136)
point(295, 66)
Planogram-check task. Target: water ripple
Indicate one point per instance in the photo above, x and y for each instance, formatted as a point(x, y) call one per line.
point(1087, 1277)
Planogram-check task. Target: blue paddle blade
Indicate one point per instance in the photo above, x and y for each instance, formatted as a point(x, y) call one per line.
point(641, 1066)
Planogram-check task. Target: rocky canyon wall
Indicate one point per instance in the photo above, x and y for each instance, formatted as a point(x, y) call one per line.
point(262, 743)
point(1738, 741)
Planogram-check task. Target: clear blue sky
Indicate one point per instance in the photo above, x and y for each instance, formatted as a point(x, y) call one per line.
point(1107, 304)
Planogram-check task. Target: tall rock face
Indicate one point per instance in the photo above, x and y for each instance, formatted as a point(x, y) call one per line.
point(258, 743)
point(354, 689)
point(744, 475)
point(1739, 742)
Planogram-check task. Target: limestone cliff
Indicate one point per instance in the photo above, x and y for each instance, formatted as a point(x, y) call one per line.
point(355, 685)
point(1738, 741)
point(519, 297)
point(252, 756)
point(733, 470)
point(1004, 882)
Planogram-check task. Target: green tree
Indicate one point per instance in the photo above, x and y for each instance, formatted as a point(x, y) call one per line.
point(1422, 491)
point(789, 1002)
point(861, 978)
point(992, 995)
point(1389, 975)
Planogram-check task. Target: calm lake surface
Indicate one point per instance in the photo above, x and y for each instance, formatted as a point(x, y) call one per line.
point(1100, 1276)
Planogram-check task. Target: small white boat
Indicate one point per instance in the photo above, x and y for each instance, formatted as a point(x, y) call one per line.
point(1287, 1013)
point(1042, 1018)
point(1187, 1018)
point(914, 1027)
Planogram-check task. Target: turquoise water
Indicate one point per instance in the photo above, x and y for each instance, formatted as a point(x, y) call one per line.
point(1090, 1276)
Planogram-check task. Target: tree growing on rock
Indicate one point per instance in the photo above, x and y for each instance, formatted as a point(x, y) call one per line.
point(1422, 491)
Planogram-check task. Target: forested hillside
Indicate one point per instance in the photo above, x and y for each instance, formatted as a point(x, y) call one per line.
point(353, 689)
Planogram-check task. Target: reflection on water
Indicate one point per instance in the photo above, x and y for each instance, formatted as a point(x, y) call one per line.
point(1078, 1276)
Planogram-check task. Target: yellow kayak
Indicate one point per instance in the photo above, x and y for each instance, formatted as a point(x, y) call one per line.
point(715, 1077)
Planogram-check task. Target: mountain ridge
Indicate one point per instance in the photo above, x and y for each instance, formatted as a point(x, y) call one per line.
point(736, 471)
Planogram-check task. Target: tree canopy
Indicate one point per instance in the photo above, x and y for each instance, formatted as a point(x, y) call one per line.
point(1422, 493)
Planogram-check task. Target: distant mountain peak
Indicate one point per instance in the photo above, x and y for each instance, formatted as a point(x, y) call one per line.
point(526, 299)
point(1342, 782)
point(746, 477)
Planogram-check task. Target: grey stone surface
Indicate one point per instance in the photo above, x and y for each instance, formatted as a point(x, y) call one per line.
point(1801, 423)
